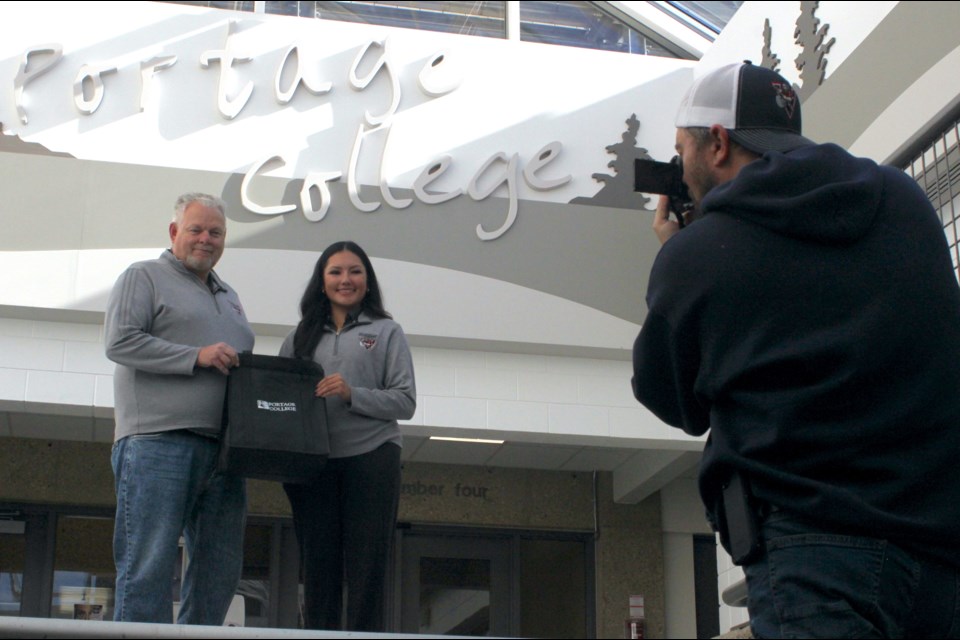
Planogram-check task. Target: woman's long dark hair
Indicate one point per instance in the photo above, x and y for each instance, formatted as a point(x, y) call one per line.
point(315, 306)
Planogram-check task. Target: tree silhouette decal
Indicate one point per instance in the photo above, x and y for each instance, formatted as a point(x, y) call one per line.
point(769, 60)
point(810, 36)
point(811, 62)
point(617, 190)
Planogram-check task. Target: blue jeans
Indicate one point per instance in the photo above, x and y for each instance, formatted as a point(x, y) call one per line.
point(812, 583)
point(167, 484)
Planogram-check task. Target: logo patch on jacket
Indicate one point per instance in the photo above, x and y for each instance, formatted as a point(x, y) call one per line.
point(368, 340)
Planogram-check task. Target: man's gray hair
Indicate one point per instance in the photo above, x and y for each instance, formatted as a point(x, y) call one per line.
point(204, 199)
point(701, 136)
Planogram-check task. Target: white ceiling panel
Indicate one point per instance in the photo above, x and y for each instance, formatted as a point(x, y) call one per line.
point(410, 446)
point(446, 452)
point(602, 459)
point(103, 429)
point(532, 456)
point(31, 425)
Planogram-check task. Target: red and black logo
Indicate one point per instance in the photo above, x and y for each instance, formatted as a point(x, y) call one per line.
point(368, 340)
point(786, 98)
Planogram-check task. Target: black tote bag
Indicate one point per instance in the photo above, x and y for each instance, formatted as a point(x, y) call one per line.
point(274, 428)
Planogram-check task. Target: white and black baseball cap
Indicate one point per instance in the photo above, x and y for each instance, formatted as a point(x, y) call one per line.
point(758, 107)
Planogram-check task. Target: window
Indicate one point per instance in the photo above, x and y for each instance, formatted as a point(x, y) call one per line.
point(12, 555)
point(582, 24)
point(464, 18)
point(84, 576)
point(937, 170)
point(573, 24)
point(713, 16)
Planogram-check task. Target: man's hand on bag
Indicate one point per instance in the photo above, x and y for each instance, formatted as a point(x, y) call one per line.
point(220, 356)
point(333, 385)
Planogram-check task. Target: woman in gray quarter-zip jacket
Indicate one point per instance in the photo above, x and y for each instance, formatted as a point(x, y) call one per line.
point(345, 519)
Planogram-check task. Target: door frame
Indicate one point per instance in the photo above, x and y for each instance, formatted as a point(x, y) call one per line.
point(496, 550)
point(472, 542)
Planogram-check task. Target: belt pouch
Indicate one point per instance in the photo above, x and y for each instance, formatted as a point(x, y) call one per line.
point(739, 526)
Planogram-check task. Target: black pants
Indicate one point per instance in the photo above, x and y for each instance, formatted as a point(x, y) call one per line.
point(345, 523)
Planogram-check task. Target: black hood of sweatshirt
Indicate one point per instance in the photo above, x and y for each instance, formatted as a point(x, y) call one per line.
point(816, 193)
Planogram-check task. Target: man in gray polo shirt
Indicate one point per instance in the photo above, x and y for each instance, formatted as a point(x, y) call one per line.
point(174, 329)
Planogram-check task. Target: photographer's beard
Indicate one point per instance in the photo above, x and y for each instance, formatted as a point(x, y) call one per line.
point(699, 180)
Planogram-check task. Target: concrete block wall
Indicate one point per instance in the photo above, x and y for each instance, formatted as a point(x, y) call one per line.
point(515, 394)
point(58, 368)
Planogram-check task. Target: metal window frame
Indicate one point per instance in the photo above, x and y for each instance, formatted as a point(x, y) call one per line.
point(936, 168)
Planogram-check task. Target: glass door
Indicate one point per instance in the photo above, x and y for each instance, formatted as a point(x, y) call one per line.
point(84, 575)
point(13, 547)
point(455, 586)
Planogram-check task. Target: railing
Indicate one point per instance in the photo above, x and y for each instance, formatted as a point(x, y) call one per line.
point(13, 627)
point(736, 594)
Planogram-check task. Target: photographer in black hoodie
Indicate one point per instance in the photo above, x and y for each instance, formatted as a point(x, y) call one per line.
point(810, 320)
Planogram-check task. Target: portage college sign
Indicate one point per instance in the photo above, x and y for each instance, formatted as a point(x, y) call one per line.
point(400, 118)
point(92, 86)
point(480, 166)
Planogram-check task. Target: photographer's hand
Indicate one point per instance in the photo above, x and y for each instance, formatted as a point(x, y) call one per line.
point(663, 226)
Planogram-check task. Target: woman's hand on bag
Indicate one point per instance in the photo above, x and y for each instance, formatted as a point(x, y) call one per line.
point(333, 385)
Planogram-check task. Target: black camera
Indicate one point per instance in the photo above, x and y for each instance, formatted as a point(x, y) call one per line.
point(664, 178)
